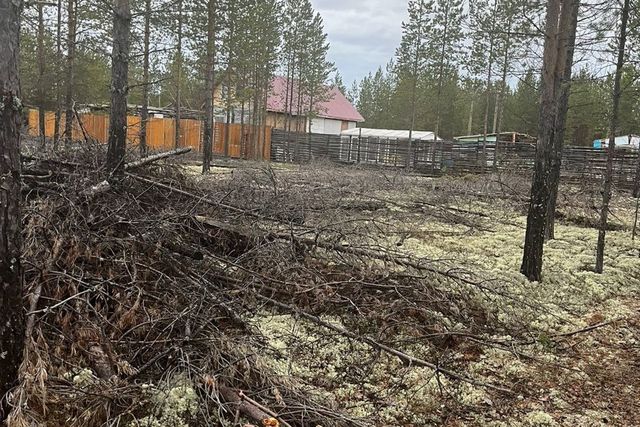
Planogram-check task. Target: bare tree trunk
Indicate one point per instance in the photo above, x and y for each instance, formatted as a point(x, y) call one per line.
point(441, 72)
point(41, 71)
point(179, 76)
point(71, 47)
point(497, 119)
point(470, 122)
point(416, 63)
point(254, 119)
point(534, 238)
point(292, 82)
point(58, 115)
point(119, 88)
point(613, 124)
point(144, 114)
point(207, 146)
point(228, 108)
point(567, 43)
point(485, 122)
point(265, 100)
point(287, 107)
point(243, 141)
point(11, 302)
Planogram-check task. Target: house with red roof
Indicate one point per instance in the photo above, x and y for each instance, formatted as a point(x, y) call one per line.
point(331, 115)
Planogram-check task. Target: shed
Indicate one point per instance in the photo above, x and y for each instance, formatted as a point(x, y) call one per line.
point(623, 142)
point(416, 135)
point(492, 137)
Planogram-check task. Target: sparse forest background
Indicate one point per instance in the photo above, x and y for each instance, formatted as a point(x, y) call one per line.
point(252, 41)
point(462, 61)
point(461, 58)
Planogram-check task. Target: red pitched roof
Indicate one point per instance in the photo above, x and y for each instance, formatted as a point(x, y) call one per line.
point(336, 107)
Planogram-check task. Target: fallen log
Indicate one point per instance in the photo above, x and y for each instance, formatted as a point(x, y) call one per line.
point(155, 157)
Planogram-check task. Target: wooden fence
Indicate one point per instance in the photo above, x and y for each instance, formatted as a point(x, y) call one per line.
point(439, 157)
point(248, 142)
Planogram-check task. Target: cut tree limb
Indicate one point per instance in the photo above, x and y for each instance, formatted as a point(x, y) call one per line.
point(399, 259)
point(104, 186)
point(247, 406)
point(404, 357)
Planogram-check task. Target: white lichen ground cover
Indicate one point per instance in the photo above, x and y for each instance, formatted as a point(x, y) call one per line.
point(557, 385)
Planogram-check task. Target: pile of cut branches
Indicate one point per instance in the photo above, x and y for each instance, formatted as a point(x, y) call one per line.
point(143, 295)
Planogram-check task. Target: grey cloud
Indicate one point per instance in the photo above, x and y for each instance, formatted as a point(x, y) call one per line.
point(364, 34)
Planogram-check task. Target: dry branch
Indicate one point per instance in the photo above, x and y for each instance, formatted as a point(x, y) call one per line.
point(104, 186)
point(404, 357)
point(247, 406)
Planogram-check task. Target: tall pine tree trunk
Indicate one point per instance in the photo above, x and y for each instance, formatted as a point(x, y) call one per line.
point(287, 108)
point(613, 124)
point(178, 107)
point(144, 114)
point(119, 88)
point(209, 124)
point(227, 134)
point(11, 302)
point(265, 100)
point(568, 39)
point(441, 73)
point(485, 122)
point(503, 81)
point(470, 121)
point(534, 238)
point(41, 72)
point(416, 63)
point(58, 114)
point(71, 47)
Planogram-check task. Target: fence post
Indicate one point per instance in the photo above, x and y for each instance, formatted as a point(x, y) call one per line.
point(395, 154)
point(328, 140)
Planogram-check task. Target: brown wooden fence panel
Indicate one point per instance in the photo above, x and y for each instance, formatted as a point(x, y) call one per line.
point(133, 130)
point(155, 133)
point(161, 133)
point(243, 140)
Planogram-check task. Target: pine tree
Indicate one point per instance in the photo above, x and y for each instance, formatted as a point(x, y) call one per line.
point(445, 39)
point(336, 81)
point(613, 128)
point(119, 88)
point(70, 70)
point(144, 112)
point(11, 303)
point(555, 59)
point(412, 54)
point(568, 41)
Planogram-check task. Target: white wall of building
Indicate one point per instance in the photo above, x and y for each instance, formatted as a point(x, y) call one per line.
point(328, 126)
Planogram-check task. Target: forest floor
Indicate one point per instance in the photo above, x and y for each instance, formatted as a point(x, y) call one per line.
point(319, 295)
point(567, 347)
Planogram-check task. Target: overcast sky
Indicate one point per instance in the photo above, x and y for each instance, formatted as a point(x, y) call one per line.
point(363, 34)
